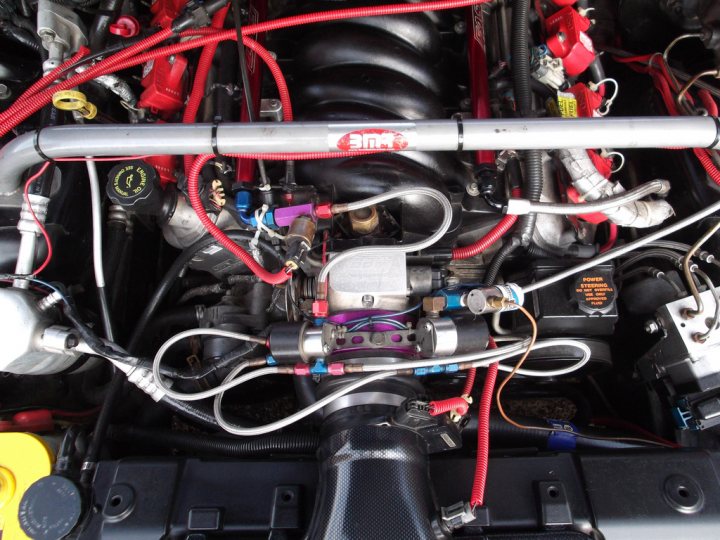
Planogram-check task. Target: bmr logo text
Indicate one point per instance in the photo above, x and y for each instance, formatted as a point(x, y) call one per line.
point(372, 139)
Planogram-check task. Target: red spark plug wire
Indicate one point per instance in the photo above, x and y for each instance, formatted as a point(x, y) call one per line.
point(477, 497)
point(197, 205)
point(497, 232)
point(457, 404)
point(204, 65)
point(24, 108)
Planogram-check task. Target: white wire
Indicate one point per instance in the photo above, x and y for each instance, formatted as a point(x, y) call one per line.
point(494, 354)
point(285, 422)
point(280, 424)
point(182, 396)
point(96, 207)
point(622, 161)
point(550, 372)
point(609, 102)
point(490, 356)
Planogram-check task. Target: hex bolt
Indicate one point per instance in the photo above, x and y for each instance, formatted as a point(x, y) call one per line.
point(651, 327)
point(472, 189)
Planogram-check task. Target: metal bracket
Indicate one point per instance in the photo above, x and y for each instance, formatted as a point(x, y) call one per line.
point(286, 514)
point(554, 504)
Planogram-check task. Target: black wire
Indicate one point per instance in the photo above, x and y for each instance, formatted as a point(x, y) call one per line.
point(245, 78)
point(247, 92)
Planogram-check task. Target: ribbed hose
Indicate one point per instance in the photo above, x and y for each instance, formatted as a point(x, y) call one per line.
point(197, 93)
point(287, 443)
point(505, 434)
point(477, 497)
point(19, 35)
point(22, 109)
point(492, 271)
point(523, 98)
point(486, 241)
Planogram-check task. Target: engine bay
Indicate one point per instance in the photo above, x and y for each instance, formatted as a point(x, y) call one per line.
point(345, 269)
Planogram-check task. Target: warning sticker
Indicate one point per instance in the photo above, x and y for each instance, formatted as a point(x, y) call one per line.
point(594, 292)
point(568, 105)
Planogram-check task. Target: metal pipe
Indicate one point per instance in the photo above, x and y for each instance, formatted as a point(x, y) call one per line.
point(627, 248)
point(520, 207)
point(426, 135)
point(403, 248)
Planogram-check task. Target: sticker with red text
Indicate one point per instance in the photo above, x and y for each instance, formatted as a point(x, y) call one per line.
point(372, 139)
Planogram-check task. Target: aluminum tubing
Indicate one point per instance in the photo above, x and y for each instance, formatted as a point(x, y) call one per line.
point(626, 132)
point(520, 207)
point(427, 135)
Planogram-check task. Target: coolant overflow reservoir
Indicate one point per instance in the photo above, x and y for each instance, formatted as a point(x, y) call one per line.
point(24, 458)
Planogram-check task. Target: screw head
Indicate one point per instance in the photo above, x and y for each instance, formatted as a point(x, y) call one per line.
point(368, 300)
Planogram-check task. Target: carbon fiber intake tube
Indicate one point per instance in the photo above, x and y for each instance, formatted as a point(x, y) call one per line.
point(374, 483)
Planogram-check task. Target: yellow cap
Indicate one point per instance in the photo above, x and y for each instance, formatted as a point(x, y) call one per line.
point(24, 458)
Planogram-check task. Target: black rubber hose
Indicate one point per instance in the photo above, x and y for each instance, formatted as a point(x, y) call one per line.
point(537, 252)
point(196, 412)
point(305, 391)
point(66, 451)
point(192, 412)
point(522, 84)
point(503, 434)
point(103, 420)
point(286, 443)
point(492, 271)
point(174, 271)
point(19, 35)
point(108, 11)
point(115, 240)
point(521, 57)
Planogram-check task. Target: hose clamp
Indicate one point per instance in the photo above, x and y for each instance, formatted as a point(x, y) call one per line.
point(38, 150)
point(715, 142)
point(214, 137)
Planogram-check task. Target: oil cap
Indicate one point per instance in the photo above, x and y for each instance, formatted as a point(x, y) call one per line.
point(134, 185)
point(50, 508)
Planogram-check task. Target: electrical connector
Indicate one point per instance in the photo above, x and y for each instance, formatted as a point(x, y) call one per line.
point(457, 515)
